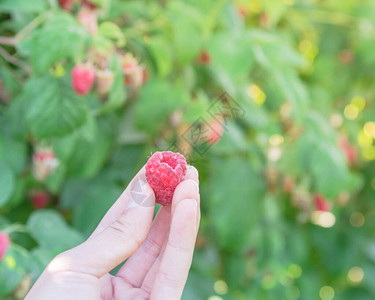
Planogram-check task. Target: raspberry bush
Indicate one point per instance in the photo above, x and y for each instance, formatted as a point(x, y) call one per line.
point(272, 101)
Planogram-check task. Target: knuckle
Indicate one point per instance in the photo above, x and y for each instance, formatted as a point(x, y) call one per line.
point(125, 230)
point(170, 280)
point(151, 246)
point(180, 248)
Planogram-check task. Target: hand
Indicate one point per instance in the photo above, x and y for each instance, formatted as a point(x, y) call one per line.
point(160, 251)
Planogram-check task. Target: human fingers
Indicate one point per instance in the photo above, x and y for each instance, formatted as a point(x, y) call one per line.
point(168, 275)
point(128, 222)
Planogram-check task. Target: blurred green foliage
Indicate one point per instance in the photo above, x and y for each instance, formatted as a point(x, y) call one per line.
point(288, 191)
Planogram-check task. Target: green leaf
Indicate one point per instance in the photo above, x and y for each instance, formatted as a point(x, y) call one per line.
point(156, 101)
point(231, 54)
point(61, 37)
point(112, 31)
point(51, 232)
point(89, 156)
point(94, 203)
point(187, 31)
point(160, 49)
point(9, 80)
point(124, 162)
point(53, 109)
point(235, 208)
point(13, 151)
point(12, 269)
point(33, 6)
point(7, 182)
point(329, 169)
point(39, 259)
point(117, 94)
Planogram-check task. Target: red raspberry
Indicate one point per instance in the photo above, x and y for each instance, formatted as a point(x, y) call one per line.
point(39, 199)
point(204, 58)
point(89, 4)
point(4, 244)
point(66, 4)
point(164, 171)
point(82, 79)
point(348, 149)
point(214, 131)
point(321, 203)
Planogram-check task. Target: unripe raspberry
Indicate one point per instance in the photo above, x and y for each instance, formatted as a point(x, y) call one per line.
point(104, 81)
point(4, 244)
point(289, 184)
point(133, 72)
point(346, 57)
point(88, 19)
point(83, 78)
point(242, 11)
point(164, 171)
point(44, 163)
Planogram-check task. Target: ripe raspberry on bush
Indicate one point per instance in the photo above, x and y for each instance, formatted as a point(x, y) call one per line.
point(204, 58)
point(4, 244)
point(66, 4)
point(321, 203)
point(214, 131)
point(164, 171)
point(83, 77)
point(89, 4)
point(39, 199)
point(348, 149)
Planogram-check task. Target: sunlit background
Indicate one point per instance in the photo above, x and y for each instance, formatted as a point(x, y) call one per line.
point(272, 100)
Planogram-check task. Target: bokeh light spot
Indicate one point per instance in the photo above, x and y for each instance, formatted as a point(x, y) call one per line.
point(293, 293)
point(294, 271)
point(255, 6)
point(359, 102)
point(324, 219)
point(257, 94)
point(369, 153)
point(268, 281)
point(221, 287)
point(214, 297)
point(10, 261)
point(305, 46)
point(289, 2)
point(357, 219)
point(336, 120)
point(326, 293)
point(276, 139)
point(355, 275)
point(351, 112)
point(369, 129)
point(364, 140)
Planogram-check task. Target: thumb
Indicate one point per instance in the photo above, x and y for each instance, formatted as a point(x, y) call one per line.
point(114, 243)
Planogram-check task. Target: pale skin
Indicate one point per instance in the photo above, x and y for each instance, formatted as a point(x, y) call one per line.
point(158, 252)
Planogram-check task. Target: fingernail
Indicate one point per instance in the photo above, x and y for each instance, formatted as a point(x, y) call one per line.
point(196, 184)
point(140, 195)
